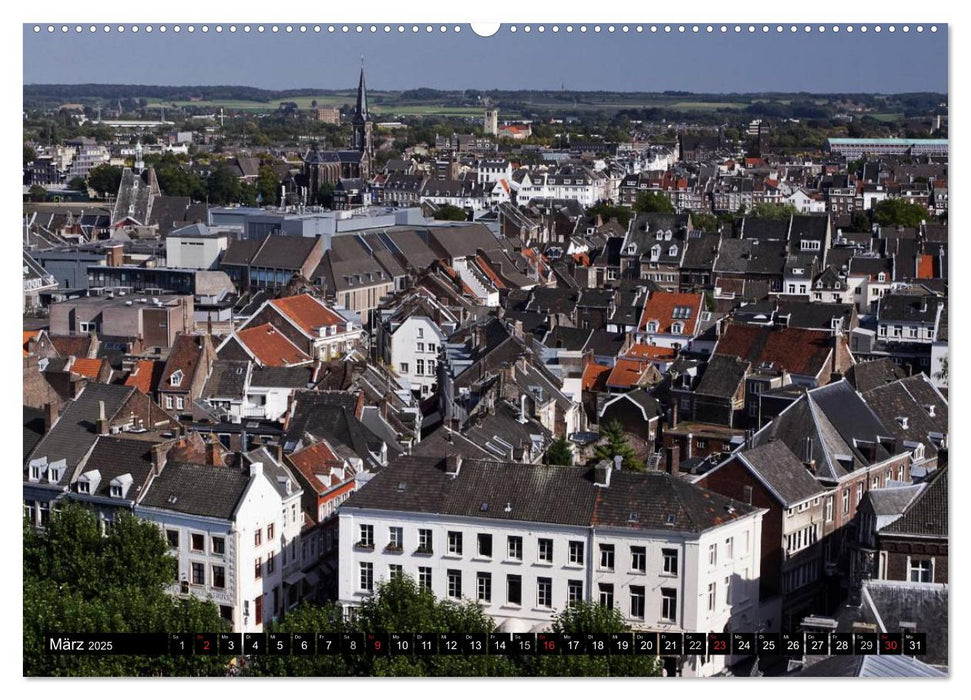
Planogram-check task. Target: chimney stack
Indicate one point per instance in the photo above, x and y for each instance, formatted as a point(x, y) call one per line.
point(674, 415)
point(159, 454)
point(212, 454)
point(50, 415)
point(255, 469)
point(102, 424)
point(601, 473)
point(618, 462)
point(453, 463)
point(673, 457)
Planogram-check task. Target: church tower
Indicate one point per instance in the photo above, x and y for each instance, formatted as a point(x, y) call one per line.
point(363, 139)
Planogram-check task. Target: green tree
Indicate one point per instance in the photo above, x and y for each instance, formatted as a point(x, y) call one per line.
point(325, 195)
point(608, 212)
point(860, 222)
point(29, 155)
point(78, 183)
point(897, 212)
point(223, 185)
point(614, 442)
point(580, 618)
point(105, 179)
point(773, 210)
point(37, 193)
point(397, 605)
point(268, 185)
point(704, 221)
point(653, 202)
point(559, 452)
point(450, 212)
point(76, 580)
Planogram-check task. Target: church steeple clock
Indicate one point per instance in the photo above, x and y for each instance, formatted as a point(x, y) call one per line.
point(363, 138)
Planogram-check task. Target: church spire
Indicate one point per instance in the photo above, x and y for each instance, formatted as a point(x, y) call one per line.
point(360, 110)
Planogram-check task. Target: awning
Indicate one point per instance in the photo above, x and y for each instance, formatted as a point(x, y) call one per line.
point(293, 579)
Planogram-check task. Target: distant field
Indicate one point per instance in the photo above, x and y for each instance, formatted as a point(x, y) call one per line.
point(886, 117)
point(305, 102)
point(709, 105)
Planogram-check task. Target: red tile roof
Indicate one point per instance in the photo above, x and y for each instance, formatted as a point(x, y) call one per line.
point(270, 347)
point(643, 351)
point(87, 368)
point(146, 375)
point(595, 377)
point(925, 267)
point(627, 373)
point(315, 464)
point(797, 350)
point(660, 307)
point(307, 313)
point(28, 336)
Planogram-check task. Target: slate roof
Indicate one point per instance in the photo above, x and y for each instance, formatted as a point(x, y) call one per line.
point(197, 489)
point(784, 473)
point(33, 428)
point(701, 251)
point(722, 376)
point(926, 516)
point(227, 380)
point(815, 314)
point(748, 256)
point(114, 457)
point(284, 252)
point(908, 308)
point(871, 667)
point(545, 494)
point(74, 432)
point(910, 398)
point(866, 376)
point(566, 338)
point(282, 377)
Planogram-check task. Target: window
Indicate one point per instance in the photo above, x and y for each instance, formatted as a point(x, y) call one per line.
point(859, 493)
point(455, 543)
point(271, 562)
point(483, 586)
point(432, 349)
point(515, 547)
point(404, 367)
point(638, 559)
point(173, 537)
point(176, 378)
point(545, 550)
point(607, 595)
point(730, 548)
point(168, 402)
point(711, 596)
point(846, 501)
point(198, 573)
point(670, 561)
point(828, 509)
point(454, 577)
point(219, 577)
point(544, 592)
point(637, 602)
point(420, 347)
point(395, 538)
point(607, 556)
point(485, 544)
point(218, 545)
point(258, 605)
point(576, 552)
point(198, 542)
point(425, 541)
point(180, 402)
point(920, 570)
point(258, 537)
point(366, 576)
point(669, 604)
point(514, 589)
point(712, 555)
point(367, 536)
point(419, 367)
point(574, 591)
point(269, 532)
point(425, 577)
point(395, 570)
point(258, 568)
point(421, 332)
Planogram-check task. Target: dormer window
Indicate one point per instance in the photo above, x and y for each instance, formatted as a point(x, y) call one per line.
point(652, 326)
point(176, 378)
point(882, 277)
point(677, 328)
point(84, 487)
point(631, 249)
point(115, 491)
point(673, 251)
point(655, 252)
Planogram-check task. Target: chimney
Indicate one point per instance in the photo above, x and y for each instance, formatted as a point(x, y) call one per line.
point(255, 469)
point(480, 337)
point(601, 473)
point(50, 416)
point(453, 463)
point(102, 424)
point(618, 462)
point(159, 453)
point(674, 415)
point(673, 459)
point(212, 454)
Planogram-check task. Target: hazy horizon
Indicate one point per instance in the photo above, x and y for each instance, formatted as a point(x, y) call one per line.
point(830, 63)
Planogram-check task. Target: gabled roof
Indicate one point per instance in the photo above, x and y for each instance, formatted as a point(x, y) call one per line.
point(114, 457)
point(782, 472)
point(722, 376)
point(270, 347)
point(146, 376)
point(307, 313)
point(798, 350)
point(187, 355)
point(668, 308)
point(197, 489)
point(926, 516)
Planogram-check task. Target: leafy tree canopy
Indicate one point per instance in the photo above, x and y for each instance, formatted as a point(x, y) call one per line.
point(653, 202)
point(773, 210)
point(559, 452)
point(897, 212)
point(614, 442)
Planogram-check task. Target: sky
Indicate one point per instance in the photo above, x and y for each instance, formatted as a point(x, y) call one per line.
point(721, 63)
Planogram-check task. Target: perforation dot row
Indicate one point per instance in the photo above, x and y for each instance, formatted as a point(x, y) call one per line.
point(428, 28)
